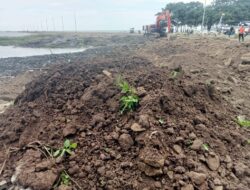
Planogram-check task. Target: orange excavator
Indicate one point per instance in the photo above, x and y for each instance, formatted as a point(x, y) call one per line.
point(162, 25)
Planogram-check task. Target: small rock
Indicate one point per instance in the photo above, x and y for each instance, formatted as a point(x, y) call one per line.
point(126, 164)
point(218, 188)
point(197, 178)
point(228, 62)
point(217, 181)
point(188, 187)
point(170, 174)
point(38, 180)
point(196, 144)
point(107, 73)
point(157, 184)
point(151, 157)
point(177, 149)
point(180, 170)
point(149, 171)
point(179, 139)
point(75, 169)
point(165, 170)
point(101, 171)
point(83, 134)
point(192, 136)
point(137, 128)
point(232, 79)
point(245, 59)
point(141, 91)
point(242, 67)
point(69, 130)
point(195, 71)
point(144, 121)
point(228, 159)
point(3, 185)
point(126, 141)
point(213, 162)
point(64, 187)
point(240, 169)
point(115, 135)
point(170, 131)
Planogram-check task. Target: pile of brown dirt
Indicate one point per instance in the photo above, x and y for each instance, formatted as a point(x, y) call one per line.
point(181, 136)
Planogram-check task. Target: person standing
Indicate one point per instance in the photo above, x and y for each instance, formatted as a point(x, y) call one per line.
point(241, 33)
point(231, 31)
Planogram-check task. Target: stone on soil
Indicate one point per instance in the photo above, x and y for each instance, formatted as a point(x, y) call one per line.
point(177, 149)
point(69, 130)
point(196, 144)
point(126, 141)
point(137, 128)
point(213, 162)
point(144, 121)
point(197, 178)
point(148, 170)
point(188, 187)
point(3, 185)
point(152, 158)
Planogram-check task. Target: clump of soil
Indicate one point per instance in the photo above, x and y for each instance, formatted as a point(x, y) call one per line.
point(181, 136)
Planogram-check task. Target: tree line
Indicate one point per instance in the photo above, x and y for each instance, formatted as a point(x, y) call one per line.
point(234, 11)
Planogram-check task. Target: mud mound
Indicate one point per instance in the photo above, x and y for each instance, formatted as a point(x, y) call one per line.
point(180, 137)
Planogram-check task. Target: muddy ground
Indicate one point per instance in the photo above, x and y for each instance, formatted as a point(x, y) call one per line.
point(72, 40)
point(183, 134)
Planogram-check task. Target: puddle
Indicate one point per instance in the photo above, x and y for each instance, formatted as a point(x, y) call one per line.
point(11, 51)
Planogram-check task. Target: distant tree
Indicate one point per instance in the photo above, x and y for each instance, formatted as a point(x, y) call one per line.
point(186, 13)
point(234, 11)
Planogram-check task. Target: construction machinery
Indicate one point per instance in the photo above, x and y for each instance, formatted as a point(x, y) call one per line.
point(162, 25)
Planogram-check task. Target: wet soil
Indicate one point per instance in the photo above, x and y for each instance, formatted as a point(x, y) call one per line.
point(72, 40)
point(183, 134)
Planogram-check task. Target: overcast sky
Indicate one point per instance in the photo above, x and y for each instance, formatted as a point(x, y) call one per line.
point(89, 14)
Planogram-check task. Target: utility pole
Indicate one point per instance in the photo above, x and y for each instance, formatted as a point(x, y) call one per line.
point(42, 26)
point(54, 26)
point(47, 25)
point(75, 22)
point(204, 14)
point(62, 24)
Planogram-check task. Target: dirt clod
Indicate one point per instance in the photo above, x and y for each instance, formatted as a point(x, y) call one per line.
point(126, 141)
point(196, 144)
point(197, 178)
point(213, 162)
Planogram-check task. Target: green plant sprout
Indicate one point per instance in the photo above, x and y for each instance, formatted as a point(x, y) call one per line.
point(67, 149)
point(124, 86)
point(129, 103)
point(65, 178)
point(130, 100)
point(205, 147)
point(243, 122)
point(161, 121)
point(174, 74)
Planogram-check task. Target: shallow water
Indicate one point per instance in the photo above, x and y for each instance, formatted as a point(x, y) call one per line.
point(14, 34)
point(10, 51)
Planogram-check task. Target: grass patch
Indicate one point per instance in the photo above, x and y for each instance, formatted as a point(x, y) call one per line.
point(129, 101)
point(243, 122)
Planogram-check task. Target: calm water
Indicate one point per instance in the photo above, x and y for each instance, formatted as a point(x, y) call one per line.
point(14, 34)
point(10, 51)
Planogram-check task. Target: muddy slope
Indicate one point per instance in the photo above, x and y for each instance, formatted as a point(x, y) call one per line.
point(183, 136)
